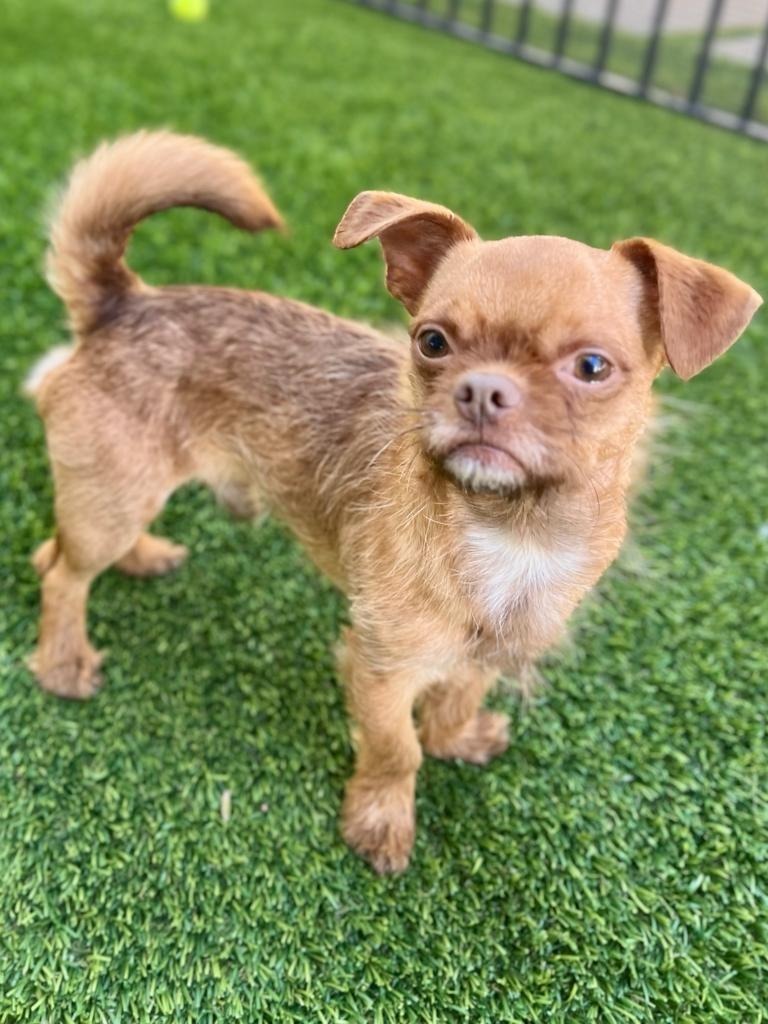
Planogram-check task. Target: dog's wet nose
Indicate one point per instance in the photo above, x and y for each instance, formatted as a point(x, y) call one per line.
point(485, 396)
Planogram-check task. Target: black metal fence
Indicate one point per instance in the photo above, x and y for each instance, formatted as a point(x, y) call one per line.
point(709, 64)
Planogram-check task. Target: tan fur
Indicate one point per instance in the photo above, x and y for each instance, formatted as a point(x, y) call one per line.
point(701, 309)
point(119, 185)
point(463, 547)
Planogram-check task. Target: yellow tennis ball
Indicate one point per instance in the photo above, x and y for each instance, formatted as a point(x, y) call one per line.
point(189, 10)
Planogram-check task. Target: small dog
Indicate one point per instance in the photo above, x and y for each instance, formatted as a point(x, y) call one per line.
point(464, 493)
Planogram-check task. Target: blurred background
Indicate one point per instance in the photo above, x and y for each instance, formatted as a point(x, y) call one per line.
point(703, 57)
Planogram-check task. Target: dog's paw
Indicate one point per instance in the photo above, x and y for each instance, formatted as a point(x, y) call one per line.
point(76, 679)
point(484, 737)
point(152, 556)
point(379, 824)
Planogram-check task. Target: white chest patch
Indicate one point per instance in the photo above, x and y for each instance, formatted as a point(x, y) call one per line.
point(508, 571)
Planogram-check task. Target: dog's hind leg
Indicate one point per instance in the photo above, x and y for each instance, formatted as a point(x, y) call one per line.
point(149, 556)
point(102, 508)
point(152, 556)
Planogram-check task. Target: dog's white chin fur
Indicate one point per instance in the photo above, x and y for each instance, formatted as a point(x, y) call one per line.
point(480, 478)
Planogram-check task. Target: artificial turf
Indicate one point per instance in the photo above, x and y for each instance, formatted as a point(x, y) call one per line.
point(611, 867)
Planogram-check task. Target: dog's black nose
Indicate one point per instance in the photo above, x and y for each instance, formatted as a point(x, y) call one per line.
point(485, 396)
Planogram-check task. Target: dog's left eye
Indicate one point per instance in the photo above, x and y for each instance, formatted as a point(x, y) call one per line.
point(591, 367)
point(432, 344)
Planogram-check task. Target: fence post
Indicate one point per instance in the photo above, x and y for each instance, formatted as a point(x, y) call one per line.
point(757, 78)
point(605, 38)
point(652, 50)
point(702, 62)
point(522, 23)
point(453, 12)
point(563, 27)
point(486, 21)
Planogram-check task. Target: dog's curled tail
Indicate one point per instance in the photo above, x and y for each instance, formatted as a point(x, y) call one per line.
point(122, 182)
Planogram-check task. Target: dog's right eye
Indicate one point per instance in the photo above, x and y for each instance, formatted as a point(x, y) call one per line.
point(591, 367)
point(432, 344)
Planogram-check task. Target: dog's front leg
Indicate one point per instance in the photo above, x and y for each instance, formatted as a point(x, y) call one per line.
point(378, 818)
point(454, 725)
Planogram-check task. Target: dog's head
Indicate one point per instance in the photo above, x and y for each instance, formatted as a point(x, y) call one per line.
point(533, 357)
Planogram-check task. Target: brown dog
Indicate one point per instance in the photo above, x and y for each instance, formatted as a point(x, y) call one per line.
point(465, 493)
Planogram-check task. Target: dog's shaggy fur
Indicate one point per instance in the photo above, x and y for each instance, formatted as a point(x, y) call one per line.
point(465, 493)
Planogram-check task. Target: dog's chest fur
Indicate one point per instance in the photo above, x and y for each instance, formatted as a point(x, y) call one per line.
point(515, 580)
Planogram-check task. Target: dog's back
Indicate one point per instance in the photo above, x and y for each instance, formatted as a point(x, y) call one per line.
point(238, 389)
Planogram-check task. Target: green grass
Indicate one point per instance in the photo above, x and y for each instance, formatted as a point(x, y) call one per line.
point(725, 85)
point(612, 866)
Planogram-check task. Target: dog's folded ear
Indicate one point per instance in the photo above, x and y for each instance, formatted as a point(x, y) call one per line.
point(414, 235)
point(700, 309)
